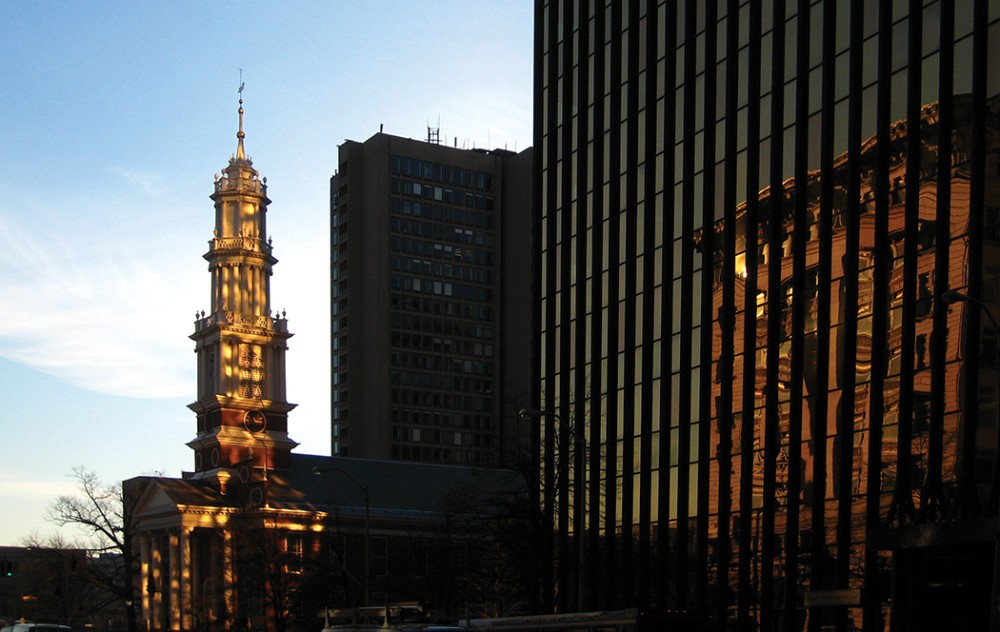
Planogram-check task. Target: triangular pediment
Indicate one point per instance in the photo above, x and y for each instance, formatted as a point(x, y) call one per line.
point(155, 500)
point(166, 502)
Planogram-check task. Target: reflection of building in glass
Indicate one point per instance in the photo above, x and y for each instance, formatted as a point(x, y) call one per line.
point(785, 425)
point(828, 337)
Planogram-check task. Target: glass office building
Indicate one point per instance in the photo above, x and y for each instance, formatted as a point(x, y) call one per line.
point(769, 272)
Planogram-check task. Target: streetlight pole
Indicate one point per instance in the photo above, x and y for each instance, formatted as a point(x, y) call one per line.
point(579, 495)
point(951, 297)
point(318, 471)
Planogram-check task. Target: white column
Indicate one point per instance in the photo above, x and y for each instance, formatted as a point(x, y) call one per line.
point(265, 300)
point(248, 288)
point(246, 276)
point(186, 577)
point(223, 293)
point(159, 585)
point(145, 575)
point(256, 291)
point(174, 601)
point(217, 288)
point(234, 287)
point(233, 362)
point(278, 372)
point(227, 588)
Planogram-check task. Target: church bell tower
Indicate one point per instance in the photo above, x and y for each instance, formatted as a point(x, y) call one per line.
point(241, 408)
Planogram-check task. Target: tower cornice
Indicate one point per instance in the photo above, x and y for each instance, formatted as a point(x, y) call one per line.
point(240, 245)
point(241, 324)
point(240, 403)
point(240, 179)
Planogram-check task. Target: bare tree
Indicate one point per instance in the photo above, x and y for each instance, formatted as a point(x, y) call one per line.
point(54, 575)
point(99, 511)
point(269, 572)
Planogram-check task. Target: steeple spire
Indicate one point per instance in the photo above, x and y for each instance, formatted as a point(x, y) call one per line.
point(240, 152)
point(241, 344)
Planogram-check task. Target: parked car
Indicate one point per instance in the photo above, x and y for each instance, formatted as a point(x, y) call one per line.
point(37, 627)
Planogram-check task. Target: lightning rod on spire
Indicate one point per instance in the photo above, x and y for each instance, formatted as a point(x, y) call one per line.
point(240, 152)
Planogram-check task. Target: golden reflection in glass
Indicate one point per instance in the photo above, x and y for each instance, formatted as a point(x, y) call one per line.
point(839, 433)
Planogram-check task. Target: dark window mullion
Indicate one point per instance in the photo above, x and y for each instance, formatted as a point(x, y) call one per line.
point(902, 503)
point(547, 400)
point(627, 345)
point(612, 473)
point(706, 357)
point(567, 413)
point(583, 526)
point(727, 315)
point(880, 312)
point(598, 298)
point(800, 236)
point(776, 235)
point(932, 507)
point(968, 500)
point(750, 523)
point(847, 374)
point(646, 560)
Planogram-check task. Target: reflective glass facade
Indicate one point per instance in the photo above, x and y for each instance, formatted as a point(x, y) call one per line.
point(763, 410)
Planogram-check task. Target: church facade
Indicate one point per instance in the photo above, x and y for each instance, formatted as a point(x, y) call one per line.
point(188, 530)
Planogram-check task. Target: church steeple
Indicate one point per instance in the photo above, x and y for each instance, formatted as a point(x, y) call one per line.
point(241, 407)
point(240, 152)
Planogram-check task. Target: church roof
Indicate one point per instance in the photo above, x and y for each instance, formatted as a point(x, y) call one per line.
point(393, 489)
point(396, 485)
point(188, 492)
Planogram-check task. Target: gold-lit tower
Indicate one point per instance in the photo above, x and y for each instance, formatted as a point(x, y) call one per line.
point(241, 407)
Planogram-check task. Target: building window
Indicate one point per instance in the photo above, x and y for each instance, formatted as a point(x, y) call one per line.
point(419, 559)
point(380, 557)
point(460, 556)
point(293, 553)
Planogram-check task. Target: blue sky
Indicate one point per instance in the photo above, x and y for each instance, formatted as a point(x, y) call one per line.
point(114, 118)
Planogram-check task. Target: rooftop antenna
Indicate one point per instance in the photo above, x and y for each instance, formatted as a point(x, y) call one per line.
point(434, 133)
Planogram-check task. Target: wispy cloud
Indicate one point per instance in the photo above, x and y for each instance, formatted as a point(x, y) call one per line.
point(17, 488)
point(102, 307)
point(148, 182)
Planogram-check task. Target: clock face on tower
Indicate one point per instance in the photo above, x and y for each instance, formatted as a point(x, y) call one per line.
point(255, 421)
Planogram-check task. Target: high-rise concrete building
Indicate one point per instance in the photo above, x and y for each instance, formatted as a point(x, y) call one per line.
point(768, 269)
point(430, 306)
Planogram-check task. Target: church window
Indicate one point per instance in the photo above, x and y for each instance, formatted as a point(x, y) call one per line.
point(380, 556)
point(293, 553)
